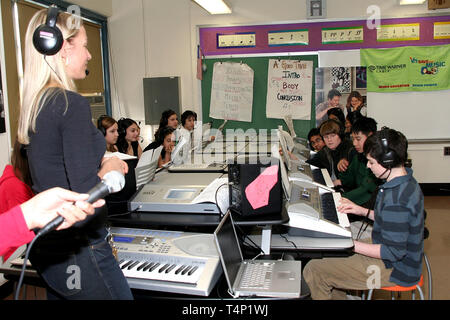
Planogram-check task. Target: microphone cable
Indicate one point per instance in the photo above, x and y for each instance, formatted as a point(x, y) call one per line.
point(24, 266)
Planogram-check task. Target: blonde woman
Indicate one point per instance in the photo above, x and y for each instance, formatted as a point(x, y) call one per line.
point(66, 150)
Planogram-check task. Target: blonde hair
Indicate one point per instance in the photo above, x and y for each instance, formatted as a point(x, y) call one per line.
point(44, 76)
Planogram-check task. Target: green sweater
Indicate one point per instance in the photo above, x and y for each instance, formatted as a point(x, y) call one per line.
point(359, 180)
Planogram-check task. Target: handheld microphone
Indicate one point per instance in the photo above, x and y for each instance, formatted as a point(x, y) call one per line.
point(86, 72)
point(112, 182)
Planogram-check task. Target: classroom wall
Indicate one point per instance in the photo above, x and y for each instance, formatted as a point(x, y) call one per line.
point(170, 32)
point(150, 38)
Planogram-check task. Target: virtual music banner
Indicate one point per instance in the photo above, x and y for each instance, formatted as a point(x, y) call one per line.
point(407, 68)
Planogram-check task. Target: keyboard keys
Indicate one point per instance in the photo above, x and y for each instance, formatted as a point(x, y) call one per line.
point(177, 272)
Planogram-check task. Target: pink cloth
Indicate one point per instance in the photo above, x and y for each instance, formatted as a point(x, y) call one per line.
point(258, 191)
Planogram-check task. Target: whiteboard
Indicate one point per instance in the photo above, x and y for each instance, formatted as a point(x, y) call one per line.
point(418, 115)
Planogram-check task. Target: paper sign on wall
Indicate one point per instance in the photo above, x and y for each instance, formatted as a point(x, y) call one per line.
point(289, 89)
point(232, 92)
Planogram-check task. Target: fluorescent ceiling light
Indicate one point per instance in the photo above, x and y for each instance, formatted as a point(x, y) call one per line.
point(405, 2)
point(214, 6)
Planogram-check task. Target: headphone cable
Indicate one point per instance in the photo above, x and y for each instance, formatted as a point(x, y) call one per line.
point(45, 59)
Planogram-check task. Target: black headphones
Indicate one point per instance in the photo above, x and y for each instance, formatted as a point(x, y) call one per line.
point(389, 157)
point(99, 124)
point(47, 38)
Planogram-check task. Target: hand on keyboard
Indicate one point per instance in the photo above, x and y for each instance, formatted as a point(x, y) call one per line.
point(347, 206)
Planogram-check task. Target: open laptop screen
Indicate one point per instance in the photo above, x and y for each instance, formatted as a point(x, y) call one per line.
point(229, 249)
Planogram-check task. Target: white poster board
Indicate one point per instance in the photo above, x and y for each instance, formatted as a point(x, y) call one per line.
point(232, 92)
point(289, 89)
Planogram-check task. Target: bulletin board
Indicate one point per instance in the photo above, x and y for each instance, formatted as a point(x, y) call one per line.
point(259, 119)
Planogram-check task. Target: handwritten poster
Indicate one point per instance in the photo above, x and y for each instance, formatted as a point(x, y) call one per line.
point(232, 92)
point(289, 89)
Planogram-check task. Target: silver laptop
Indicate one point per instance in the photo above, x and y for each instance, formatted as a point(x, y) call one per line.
point(262, 278)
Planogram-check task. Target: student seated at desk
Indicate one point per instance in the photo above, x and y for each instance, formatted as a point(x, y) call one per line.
point(358, 181)
point(315, 140)
point(188, 119)
point(336, 148)
point(169, 118)
point(336, 114)
point(110, 129)
point(396, 247)
point(166, 138)
point(128, 141)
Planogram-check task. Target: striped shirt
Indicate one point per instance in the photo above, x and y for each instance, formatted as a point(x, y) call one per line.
point(398, 227)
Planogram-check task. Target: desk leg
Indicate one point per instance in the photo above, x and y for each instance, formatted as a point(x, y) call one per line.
point(266, 239)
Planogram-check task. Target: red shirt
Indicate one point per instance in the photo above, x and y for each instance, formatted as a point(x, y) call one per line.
point(12, 193)
point(13, 231)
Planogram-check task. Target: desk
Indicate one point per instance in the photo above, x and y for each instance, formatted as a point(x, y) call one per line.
point(148, 219)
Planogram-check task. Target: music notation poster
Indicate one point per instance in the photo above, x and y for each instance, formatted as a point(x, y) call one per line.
point(288, 37)
point(343, 35)
point(232, 92)
point(289, 89)
point(238, 40)
point(442, 30)
point(399, 32)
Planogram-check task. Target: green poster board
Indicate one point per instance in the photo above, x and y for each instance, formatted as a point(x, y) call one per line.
point(259, 120)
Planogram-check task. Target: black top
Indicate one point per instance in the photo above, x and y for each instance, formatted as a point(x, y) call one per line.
point(134, 146)
point(154, 145)
point(66, 149)
point(329, 159)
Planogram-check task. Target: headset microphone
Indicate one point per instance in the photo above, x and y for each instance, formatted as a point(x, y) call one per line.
point(86, 72)
point(112, 182)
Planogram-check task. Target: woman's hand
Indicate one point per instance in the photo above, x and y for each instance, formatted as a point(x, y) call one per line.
point(112, 163)
point(47, 205)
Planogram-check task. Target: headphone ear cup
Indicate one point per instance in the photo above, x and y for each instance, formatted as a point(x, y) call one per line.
point(100, 126)
point(389, 156)
point(47, 38)
point(121, 130)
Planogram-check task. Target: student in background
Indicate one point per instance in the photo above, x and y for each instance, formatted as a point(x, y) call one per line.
point(355, 103)
point(315, 140)
point(110, 129)
point(188, 119)
point(336, 148)
point(333, 99)
point(166, 138)
point(358, 181)
point(17, 223)
point(351, 118)
point(66, 150)
point(336, 114)
point(396, 247)
point(15, 183)
point(128, 141)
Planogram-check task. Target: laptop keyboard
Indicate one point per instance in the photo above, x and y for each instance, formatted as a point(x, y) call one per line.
point(192, 166)
point(257, 275)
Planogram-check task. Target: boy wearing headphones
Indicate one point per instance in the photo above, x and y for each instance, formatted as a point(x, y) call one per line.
point(394, 254)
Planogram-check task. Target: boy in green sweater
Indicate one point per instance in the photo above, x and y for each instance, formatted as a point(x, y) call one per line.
point(358, 181)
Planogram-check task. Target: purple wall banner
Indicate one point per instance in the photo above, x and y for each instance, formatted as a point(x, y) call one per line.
point(348, 35)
